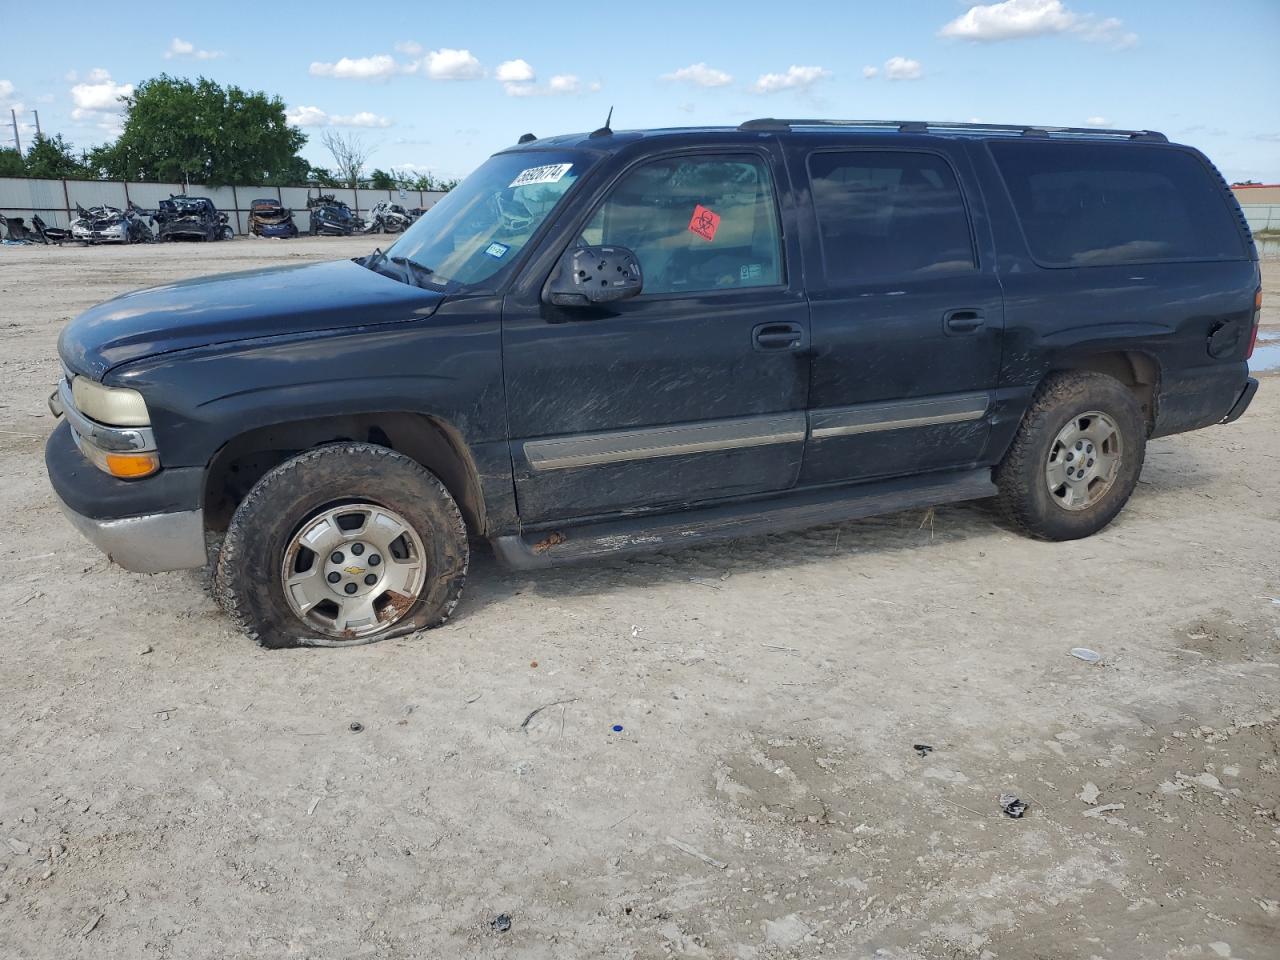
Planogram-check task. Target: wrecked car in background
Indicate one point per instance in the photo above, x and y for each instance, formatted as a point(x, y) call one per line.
point(388, 217)
point(108, 224)
point(191, 218)
point(330, 217)
point(271, 218)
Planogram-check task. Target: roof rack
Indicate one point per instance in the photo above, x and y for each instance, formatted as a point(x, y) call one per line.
point(927, 126)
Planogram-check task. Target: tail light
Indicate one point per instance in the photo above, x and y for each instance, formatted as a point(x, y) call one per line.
point(1257, 321)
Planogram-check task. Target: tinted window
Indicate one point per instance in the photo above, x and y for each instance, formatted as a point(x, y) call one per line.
point(1091, 204)
point(695, 224)
point(888, 214)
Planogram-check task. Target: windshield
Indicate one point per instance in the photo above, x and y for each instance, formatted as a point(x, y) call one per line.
point(481, 225)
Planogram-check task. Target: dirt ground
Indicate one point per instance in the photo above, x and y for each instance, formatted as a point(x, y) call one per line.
point(168, 790)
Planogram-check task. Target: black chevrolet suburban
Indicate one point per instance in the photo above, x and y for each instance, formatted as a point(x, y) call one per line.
point(625, 341)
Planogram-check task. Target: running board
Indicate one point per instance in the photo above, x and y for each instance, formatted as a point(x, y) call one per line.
point(795, 511)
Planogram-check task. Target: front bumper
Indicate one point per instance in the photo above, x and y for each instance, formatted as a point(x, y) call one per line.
point(151, 543)
point(147, 526)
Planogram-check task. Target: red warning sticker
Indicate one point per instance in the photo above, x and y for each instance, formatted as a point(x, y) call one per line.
point(704, 222)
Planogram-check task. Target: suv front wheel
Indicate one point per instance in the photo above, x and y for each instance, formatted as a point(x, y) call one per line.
point(344, 544)
point(1075, 459)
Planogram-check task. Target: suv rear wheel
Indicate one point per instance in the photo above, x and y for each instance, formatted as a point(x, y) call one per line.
point(342, 545)
point(1075, 459)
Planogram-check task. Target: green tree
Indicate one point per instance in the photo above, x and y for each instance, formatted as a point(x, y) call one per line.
point(11, 164)
point(53, 158)
point(321, 177)
point(178, 130)
point(426, 181)
point(381, 180)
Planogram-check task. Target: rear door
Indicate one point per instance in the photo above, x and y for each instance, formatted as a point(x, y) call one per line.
point(693, 390)
point(906, 311)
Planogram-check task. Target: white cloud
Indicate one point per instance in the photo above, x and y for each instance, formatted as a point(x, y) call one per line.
point(902, 68)
point(700, 75)
point(378, 67)
point(410, 48)
point(362, 119)
point(1097, 122)
point(304, 116)
point(447, 64)
point(562, 84)
point(870, 73)
point(99, 97)
point(515, 71)
point(7, 103)
point(796, 78)
point(180, 49)
point(1015, 19)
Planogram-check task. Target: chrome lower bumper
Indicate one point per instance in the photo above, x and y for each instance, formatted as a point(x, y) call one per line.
point(152, 543)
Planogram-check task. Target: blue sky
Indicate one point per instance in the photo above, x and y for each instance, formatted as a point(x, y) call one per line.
point(440, 87)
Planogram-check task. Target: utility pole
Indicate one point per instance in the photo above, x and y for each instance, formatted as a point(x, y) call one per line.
point(37, 116)
point(13, 114)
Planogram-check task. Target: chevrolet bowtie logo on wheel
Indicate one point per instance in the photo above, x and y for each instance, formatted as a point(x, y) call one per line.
point(354, 571)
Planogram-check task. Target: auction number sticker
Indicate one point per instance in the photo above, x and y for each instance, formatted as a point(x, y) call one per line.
point(550, 173)
point(497, 250)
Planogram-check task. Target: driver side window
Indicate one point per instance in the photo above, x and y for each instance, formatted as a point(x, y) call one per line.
point(695, 224)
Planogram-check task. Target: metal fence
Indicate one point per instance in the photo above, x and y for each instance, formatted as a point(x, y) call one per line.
point(55, 200)
point(1262, 216)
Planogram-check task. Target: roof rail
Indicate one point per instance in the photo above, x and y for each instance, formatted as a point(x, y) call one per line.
point(928, 126)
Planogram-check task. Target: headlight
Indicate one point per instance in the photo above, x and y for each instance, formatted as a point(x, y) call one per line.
point(114, 406)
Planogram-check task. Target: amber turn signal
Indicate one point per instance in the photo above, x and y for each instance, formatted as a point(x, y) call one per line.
point(130, 466)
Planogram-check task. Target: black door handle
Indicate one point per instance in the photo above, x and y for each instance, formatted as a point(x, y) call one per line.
point(964, 320)
point(778, 336)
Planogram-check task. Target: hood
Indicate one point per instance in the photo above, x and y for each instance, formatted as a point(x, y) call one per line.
point(237, 306)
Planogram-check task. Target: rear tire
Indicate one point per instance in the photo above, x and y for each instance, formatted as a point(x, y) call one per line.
point(1075, 459)
point(366, 509)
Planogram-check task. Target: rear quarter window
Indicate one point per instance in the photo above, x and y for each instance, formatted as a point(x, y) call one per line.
point(1098, 204)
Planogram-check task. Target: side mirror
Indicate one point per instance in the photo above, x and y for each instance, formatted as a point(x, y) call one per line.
point(591, 275)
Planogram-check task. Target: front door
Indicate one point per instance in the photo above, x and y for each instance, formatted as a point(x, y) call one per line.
point(693, 390)
point(906, 311)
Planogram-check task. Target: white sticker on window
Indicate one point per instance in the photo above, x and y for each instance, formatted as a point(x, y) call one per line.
point(550, 173)
point(497, 250)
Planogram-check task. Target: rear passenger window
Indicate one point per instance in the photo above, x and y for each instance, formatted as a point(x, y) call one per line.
point(1094, 204)
point(885, 214)
point(696, 224)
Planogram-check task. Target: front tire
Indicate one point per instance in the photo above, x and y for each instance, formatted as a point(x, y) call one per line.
point(1075, 459)
point(342, 545)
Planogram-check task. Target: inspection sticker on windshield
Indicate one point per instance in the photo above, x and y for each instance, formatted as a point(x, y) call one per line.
point(550, 173)
point(497, 250)
point(704, 222)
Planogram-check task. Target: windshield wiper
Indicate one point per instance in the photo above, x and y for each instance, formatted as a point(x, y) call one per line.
point(412, 267)
point(410, 270)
